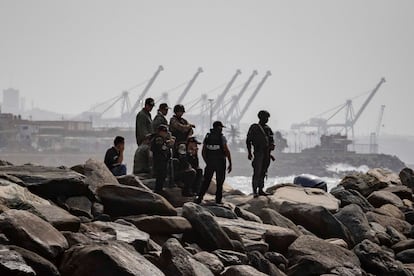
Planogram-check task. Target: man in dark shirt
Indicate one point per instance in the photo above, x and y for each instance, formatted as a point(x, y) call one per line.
point(260, 136)
point(160, 119)
point(114, 157)
point(160, 148)
point(143, 122)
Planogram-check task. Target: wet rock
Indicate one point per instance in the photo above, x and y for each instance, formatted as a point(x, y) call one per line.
point(258, 261)
point(161, 225)
point(79, 206)
point(106, 259)
point(211, 261)
point(210, 235)
point(49, 182)
point(12, 263)
point(175, 260)
point(59, 218)
point(316, 219)
point(392, 210)
point(407, 177)
point(228, 257)
point(40, 265)
point(403, 245)
point(120, 200)
point(379, 198)
point(221, 211)
point(401, 191)
point(31, 232)
point(357, 223)
point(400, 225)
point(280, 239)
point(242, 270)
point(246, 215)
point(363, 183)
point(350, 196)
point(272, 217)
point(313, 256)
point(377, 261)
point(98, 175)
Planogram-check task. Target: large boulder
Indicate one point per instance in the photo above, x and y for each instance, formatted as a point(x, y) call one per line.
point(351, 197)
point(31, 232)
point(401, 191)
point(280, 240)
point(79, 206)
point(12, 263)
point(391, 210)
point(357, 223)
point(406, 256)
point(316, 219)
point(403, 245)
point(132, 180)
point(272, 217)
point(98, 175)
point(121, 200)
point(244, 214)
point(407, 177)
point(400, 225)
point(363, 183)
point(211, 261)
point(229, 257)
point(242, 270)
point(161, 225)
point(49, 182)
point(312, 256)
point(106, 259)
point(175, 260)
point(385, 176)
point(377, 261)
point(59, 218)
point(379, 198)
point(210, 235)
point(221, 211)
point(258, 261)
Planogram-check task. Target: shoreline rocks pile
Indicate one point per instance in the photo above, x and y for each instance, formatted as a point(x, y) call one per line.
point(84, 221)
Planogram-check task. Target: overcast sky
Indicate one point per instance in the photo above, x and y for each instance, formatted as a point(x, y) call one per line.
point(68, 55)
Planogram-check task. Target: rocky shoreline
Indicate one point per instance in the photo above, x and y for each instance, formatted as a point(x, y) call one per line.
point(84, 221)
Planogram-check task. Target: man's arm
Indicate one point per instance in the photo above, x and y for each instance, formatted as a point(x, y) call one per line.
point(228, 155)
point(203, 153)
point(249, 143)
point(175, 124)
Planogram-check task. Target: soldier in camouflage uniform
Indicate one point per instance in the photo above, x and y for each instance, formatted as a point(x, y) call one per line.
point(161, 154)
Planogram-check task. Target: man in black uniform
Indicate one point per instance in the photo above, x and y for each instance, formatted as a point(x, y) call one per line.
point(261, 137)
point(160, 119)
point(214, 152)
point(114, 157)
point(143, 121)
point(161, 154)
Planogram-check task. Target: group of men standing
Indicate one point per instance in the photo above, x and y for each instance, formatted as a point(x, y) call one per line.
point(174, 152)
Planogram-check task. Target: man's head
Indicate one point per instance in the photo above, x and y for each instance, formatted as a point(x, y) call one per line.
point(119, 142)
point(163, 130)
point(163, 108)
point(179, 110)
point(149, 104)
point(218, 126)
point(192, 144)
point(263, 116)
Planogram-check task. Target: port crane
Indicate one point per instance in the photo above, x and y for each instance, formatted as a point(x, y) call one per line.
point(220, 99)
point(189, 85)
point(374, 137)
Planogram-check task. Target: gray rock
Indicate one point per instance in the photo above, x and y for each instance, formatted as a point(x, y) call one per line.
point(175, 260)
point(106, 259)
point(132, 180)
point(98, 175)
point(395, 235)
point(351, 197)
point(312, 256)
point(58, 217)
point(79, 206)
point(363, 183)
point(377, 261)
point(277, 259)
point(211, 261)
point(381, 234)
point(403, 192)
point(357, 223)
point(12, 263)
point(220, 211)
point(403, 245)
point(270, 216)
point(40, 265)
point(407, 177)
point(210, 235)
point(31, 232)
point(228, 257)
point(161, 225)
point(400, 225)
point(391, 210)
point(379, 198)
point(246, 215)
point(406, 256)
point(316, 219)
point(280, 240)
point(75, 238)
point(260, 246)
point(258, 261)
point(242, 270)
point(120, 200)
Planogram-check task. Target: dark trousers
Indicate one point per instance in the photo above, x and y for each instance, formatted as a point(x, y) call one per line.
point(217, 166)
point(260, 163)
point(119, 170)
point(160, 171)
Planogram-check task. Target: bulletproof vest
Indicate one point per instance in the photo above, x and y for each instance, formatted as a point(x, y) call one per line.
point(214, 145)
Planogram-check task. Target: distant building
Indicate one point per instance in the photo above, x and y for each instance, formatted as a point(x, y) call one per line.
point(11, 101)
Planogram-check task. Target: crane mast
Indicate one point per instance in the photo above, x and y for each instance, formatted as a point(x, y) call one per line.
point(146, 89)
point(237, 98)
point(379, 122)
point(221, 97)
point(256, 91)
point(189, 85)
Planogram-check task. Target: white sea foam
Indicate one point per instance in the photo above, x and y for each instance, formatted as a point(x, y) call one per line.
point(342, 167)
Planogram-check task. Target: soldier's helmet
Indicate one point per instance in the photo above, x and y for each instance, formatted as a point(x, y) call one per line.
point(263, 114)
point(179, 108)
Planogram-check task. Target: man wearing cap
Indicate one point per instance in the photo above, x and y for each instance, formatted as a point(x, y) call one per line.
point(160, 119)
point(161, 154)
point(192, 158)
point(143, 157)
point(143, 122)
point(214, 152)
point(180, 128)
point(260, 136)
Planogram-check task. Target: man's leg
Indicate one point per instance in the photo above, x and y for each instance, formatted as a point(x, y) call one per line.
point(160, 175)
point(196, 185)
point(208, 175)
point(257, 169)
point(188, 179)
point(220, 176)
point(265, 165)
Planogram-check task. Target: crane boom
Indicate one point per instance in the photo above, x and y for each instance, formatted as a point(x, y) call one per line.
point(237, 98)
point(221, 97)
point(256, 91)
point(381, 115)
point(146, 89)
point(189, 85)
point(364, 105)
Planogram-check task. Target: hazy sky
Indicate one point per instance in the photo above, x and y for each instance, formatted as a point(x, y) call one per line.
point(68, 55)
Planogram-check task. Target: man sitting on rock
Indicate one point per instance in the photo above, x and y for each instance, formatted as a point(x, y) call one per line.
point(160, 147)
point(114, 157)
point(143, 157)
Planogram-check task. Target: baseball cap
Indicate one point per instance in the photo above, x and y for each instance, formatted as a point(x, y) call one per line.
point(149, 101)
point(218, 124)
point(193, 139)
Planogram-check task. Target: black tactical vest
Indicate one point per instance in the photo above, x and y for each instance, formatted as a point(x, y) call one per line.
point(214, 145)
